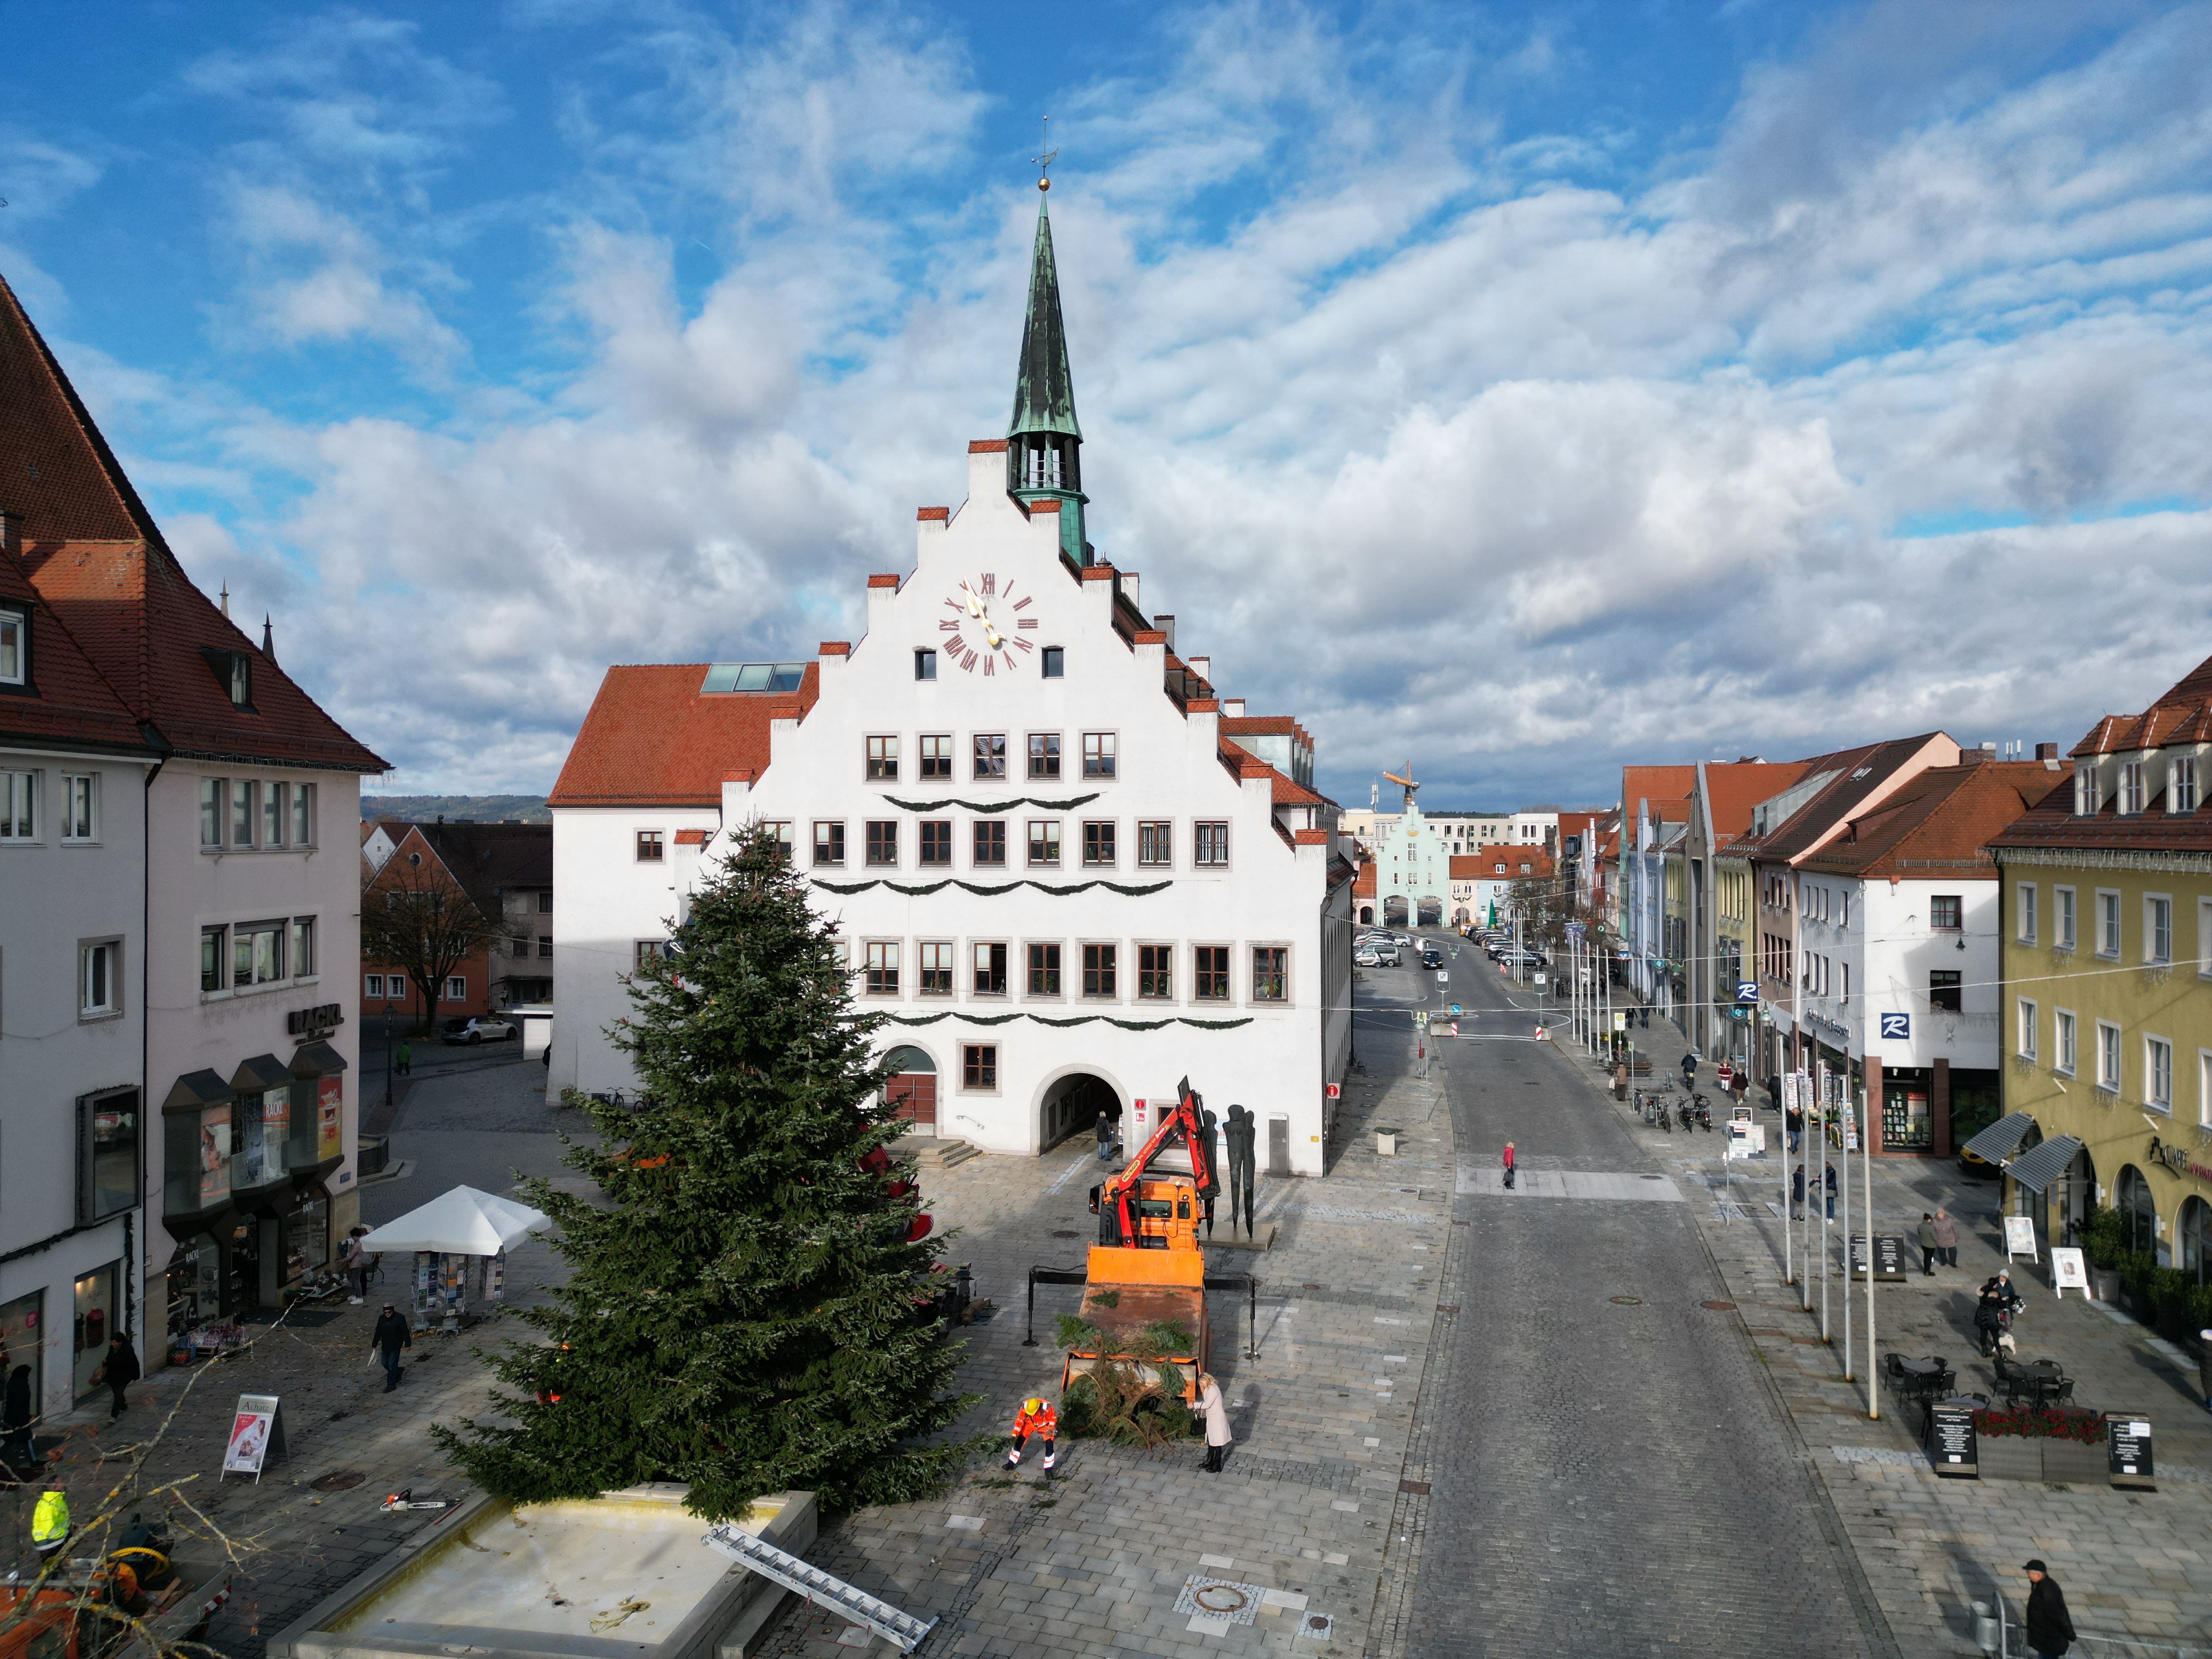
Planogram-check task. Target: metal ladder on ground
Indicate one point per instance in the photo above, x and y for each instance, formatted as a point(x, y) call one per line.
point(902, 1629)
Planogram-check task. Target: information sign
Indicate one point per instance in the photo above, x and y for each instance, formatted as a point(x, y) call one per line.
point(1620, 1022)
point(257, 1434)
point(2129, 1446)
point(2019, 1236)
point(2069, 1271)
point(1453, 1011)
point(1747, 990)
point(1891, 1259)
point(1951, 1442)
point(1896, 1027)
point(1539, 980)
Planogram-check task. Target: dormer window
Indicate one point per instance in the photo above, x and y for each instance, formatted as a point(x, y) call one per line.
point(2181, 788)
point(15, 648)
point(233, 671)
point(2131, 789)
point(2085, 790)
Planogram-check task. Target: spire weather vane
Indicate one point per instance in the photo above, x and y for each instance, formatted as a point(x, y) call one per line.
point(1044, 161)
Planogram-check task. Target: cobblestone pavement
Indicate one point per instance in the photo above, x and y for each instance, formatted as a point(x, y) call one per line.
point(1609, 1469)
point(2136, 1565)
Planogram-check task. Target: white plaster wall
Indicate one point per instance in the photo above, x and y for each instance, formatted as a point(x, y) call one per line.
point(55, 895)
point(1900, 952)
point(1271, 894)
point(188, 888)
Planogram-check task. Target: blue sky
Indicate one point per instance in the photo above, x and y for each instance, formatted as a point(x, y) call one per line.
point(1522, 388)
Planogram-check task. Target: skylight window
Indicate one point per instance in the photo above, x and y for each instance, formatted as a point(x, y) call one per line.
point(753, 677)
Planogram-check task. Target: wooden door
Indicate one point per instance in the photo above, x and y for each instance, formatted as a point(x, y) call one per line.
point(914, 1095)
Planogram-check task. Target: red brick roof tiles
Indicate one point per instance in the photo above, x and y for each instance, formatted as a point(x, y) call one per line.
point(64, 701)
point(653, 738)
point(1944, 816)
point(986, 446)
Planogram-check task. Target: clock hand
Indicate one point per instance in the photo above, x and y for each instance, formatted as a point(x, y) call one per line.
point(993, 635)
point(974, 604)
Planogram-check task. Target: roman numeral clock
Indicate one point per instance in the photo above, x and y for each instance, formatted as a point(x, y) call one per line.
point(986, 625)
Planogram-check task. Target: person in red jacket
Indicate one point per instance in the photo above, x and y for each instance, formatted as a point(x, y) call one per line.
point(1508, 1161)
point(1036, 1417)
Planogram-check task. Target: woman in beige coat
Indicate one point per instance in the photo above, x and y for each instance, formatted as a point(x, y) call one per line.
point(1216, 1422)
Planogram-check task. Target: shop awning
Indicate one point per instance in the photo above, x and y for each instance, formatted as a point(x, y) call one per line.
point(316, 1059)
point(262, 1072)
point(1995, 1144)
point(2037, 1167)
point(195, 1090)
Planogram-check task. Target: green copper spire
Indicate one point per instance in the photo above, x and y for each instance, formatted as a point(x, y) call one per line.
point(1044, 390)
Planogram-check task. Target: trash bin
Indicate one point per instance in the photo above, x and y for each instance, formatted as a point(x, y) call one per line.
point(1386, 1143)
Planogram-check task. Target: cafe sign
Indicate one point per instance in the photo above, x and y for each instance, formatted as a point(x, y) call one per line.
point(2176, 1158)
point(314, 1022)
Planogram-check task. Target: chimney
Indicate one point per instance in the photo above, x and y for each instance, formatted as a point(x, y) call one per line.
point(267, 638)
point(2047, 751)
point(1201, 666)
point(226, 597)
point(1126, 582)
point(1166, 625)
point(1233, 707)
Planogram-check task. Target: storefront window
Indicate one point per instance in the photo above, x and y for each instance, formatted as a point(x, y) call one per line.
point(199, 1145)
point(299, 1141)
point(23, 1333)
point(264, 1124)
point(307, 1238)
point(110, 1161)
point(96, 1310)
point(194, 1285)
point(329, 1117)
point(1906, 1122)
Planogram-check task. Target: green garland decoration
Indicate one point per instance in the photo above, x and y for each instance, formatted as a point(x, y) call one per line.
point(1127, 890)
point(1079, 1019)
point(1067, 805)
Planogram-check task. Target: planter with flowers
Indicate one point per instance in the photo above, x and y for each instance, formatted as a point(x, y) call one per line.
point(2028, 1442)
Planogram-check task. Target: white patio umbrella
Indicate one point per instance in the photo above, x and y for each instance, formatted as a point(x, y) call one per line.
point(464, 1222)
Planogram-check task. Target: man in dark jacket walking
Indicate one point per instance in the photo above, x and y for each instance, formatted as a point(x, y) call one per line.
point(1104, 1130)
point(2050, 1627)
point(385, 1341)
point(118, 1371)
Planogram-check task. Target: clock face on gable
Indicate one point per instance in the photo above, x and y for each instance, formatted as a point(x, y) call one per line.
point(989, 623)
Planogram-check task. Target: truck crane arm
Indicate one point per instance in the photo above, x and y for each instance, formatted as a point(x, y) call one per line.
point(1117, 1197)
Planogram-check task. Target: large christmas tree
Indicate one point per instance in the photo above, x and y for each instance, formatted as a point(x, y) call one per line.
point(748, 1311)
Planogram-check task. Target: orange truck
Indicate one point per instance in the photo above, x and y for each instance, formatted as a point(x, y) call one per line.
point(73, 1613)
point(1147, 1268)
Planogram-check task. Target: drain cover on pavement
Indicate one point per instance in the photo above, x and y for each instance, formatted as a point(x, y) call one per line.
point(1719, 1307)
point(1316, 1627)
point(1629, 1301)
point(339, 1480)
point(1220, 1598)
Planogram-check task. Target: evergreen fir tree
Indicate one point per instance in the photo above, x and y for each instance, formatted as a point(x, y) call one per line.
point(747, 1311)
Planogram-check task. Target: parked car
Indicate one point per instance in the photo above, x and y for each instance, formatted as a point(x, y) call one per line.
point(480, 1028)
point(1402, 938)
point(1386, 952)
point(1365, 958)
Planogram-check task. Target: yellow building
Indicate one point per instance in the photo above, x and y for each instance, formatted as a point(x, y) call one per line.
point(2108, 994)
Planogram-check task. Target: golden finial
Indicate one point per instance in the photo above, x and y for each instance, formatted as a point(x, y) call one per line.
point(1044, 161)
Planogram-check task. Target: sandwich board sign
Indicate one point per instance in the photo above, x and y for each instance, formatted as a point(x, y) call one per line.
point(2019, 1236)
point(257, 1434)
point(2067, 1271)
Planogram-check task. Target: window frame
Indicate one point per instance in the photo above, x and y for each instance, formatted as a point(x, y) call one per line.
point(883, 757)
point(987, 753)
point(828, 844)
point(879, 967)
point(1201, 831)
point(1222, 968)
point(372, 988)
point(1043, 970)
point(302, 815)
point(1160, 832)
point(1957, 911)
point(129, 1194)
point(649, 847)
point(1278, 971)
point(989, 957)
point(218, 934)
point(244, 795)
point(979, 1068)
point(1046, 756)
point(2024, 915)
point(925, 663)
point(2085, 789)
point(302, 950)
point(457, 985)
point(2108, 907)
point(213, 793)
point(71, 834)
point(242, 934)
point(2204, 937)
point(987, 848)
point(1101, 970)
point(1051, 662)
point(2157, 919)
point(1956, 989)
point(18, 623)
point(925, 968)
point(21, 785)
point(107, 951)
point(938, 765)
point(1156, 971)
point(1043, 843)
point(2129, 802)
point(1100, 759)
point(2026, 1030)
point(880, 847)
point(2065, 1041)
point(925, 855)
point(1098, 843)
point(2066, 917)
point(275, 814)
point(2157, 1057)
point(2108, 1046)
point(2182, 778)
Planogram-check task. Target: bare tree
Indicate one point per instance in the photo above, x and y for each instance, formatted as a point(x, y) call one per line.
point(418, 919)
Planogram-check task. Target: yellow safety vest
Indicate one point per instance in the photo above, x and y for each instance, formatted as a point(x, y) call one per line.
point(49, 1521)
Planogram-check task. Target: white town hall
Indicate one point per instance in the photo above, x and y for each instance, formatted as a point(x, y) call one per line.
point(1062, 864)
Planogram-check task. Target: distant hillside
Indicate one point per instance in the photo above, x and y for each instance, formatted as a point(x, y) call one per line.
point(484, 809)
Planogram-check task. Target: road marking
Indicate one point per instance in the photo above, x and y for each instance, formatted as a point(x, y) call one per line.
point(1608, 1185)
point(1069, 1173)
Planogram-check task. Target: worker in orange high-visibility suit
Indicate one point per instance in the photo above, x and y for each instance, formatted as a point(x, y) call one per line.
point(1036, 1417)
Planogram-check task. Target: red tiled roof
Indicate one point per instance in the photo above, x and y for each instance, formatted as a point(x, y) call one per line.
point(1363, 887)
point(986, 446)
point(1259, 725)
point(1482, 863)
point(1732, 789)
point(64, 700)
point(1310, 837)
point(1936, 824)
point(1654, 783)
point(692, 837)
point(97, 559)
point(653, 738)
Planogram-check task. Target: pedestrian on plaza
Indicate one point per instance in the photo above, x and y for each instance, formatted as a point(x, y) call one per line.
point(1831, 1192)
point(1689, 1071)
point(1928, 1245)
point(385, 1341)
point(17, 1418)
point(1773, 1092)
point(118, 1371)
point(1797, 1192)
point(1036, 1417)
point(1508, 1166)
point(1795, 1121)
point(2050, 1626)
point(1620, 1079)
point(50, 1519)
point(359, 1264)
point(1997, 1301)
point(405, 1057)
point(1946, 1238)
point(1216, 1423)
point(1104, 1130)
